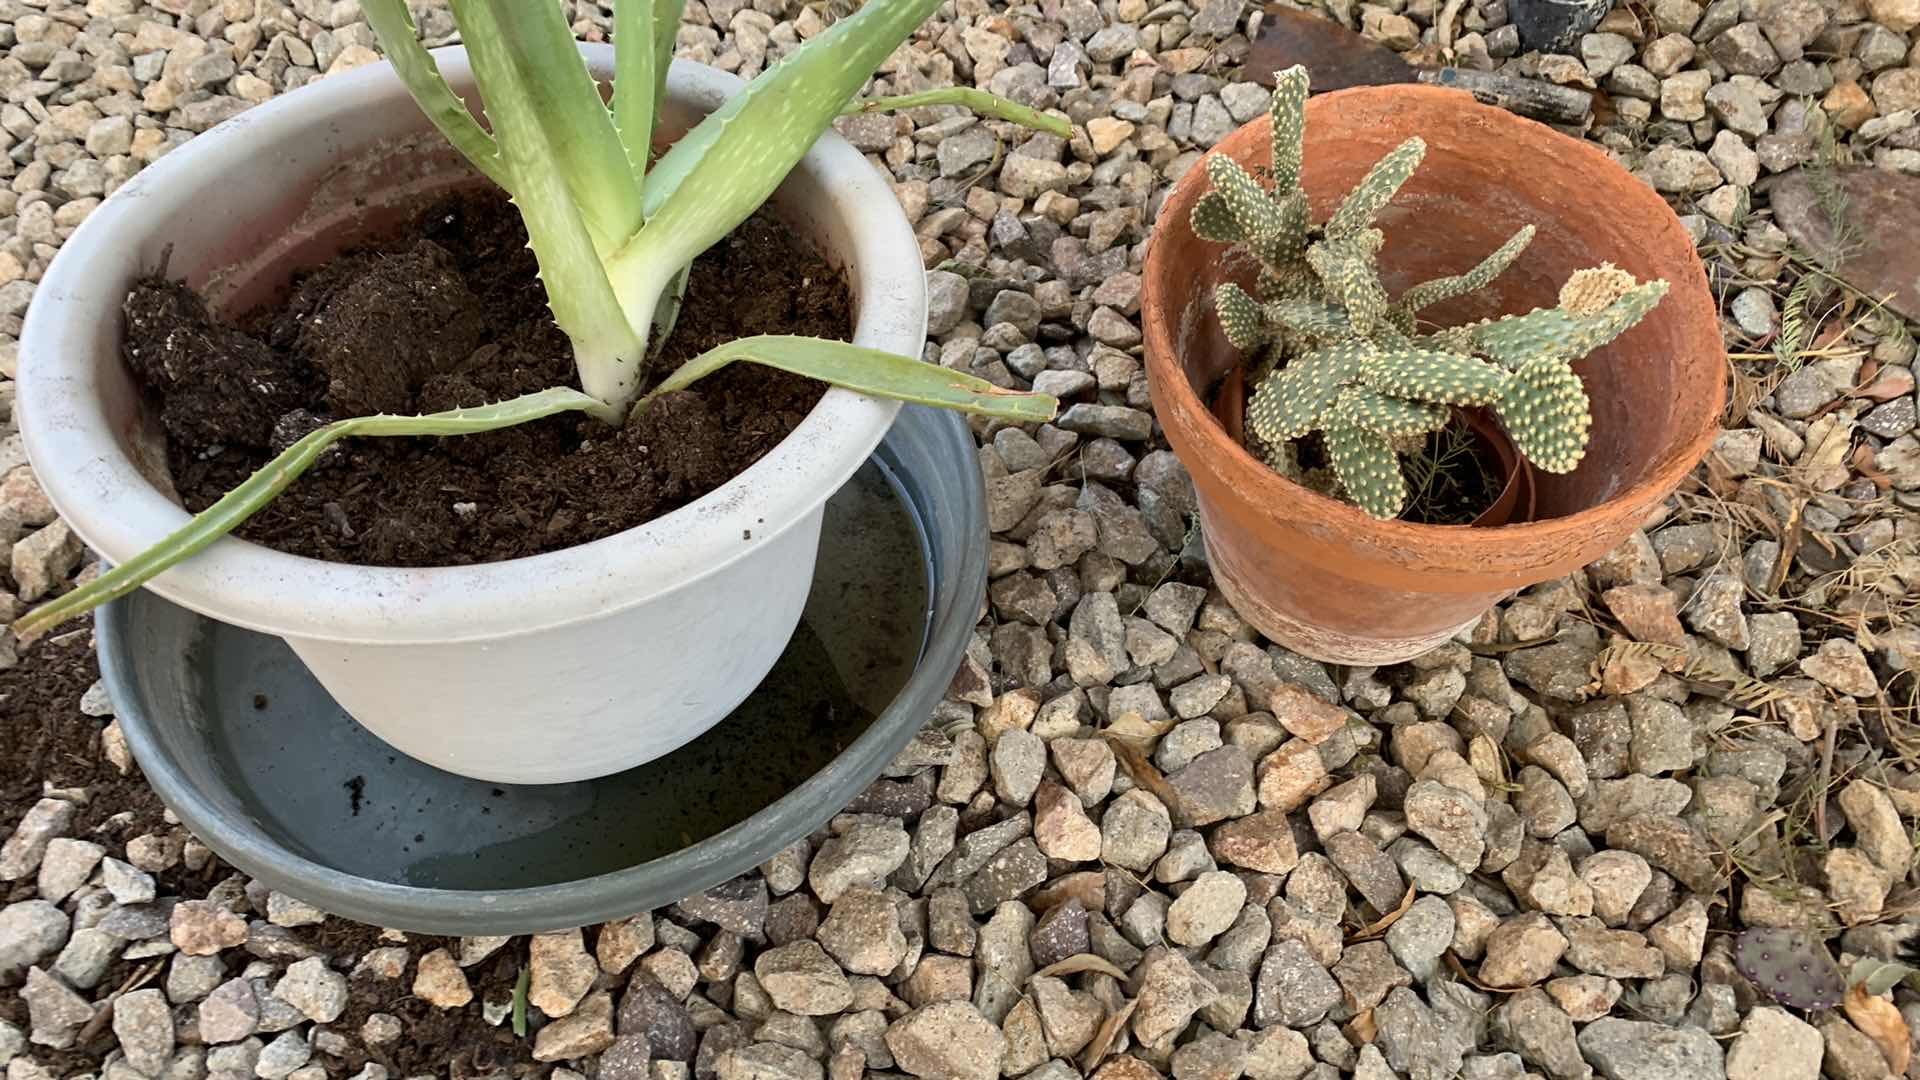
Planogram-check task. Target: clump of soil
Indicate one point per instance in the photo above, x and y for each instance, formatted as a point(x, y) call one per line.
point(449, 312)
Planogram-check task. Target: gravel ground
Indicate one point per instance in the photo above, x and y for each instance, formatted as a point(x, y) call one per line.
point(1098, 866)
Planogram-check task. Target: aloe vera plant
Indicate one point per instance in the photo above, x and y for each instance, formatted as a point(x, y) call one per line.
point(614, 226)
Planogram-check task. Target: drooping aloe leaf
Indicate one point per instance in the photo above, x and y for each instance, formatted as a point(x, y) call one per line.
point(869, 371)
point(607, 345)
point(393, 24)
point(236, 506)
point(552, 81)
point(966, 97)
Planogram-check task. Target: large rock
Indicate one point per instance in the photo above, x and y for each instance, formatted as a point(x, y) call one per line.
point(1294, 989)
point(20, 855)
point(1638, 1050)
point(143, 1023)
point(318, 991)
point(1168, 991)
point(1773, 1044)
point(801, 978)
point(862, 932)
point(29, 931)
point(1522, 951)
point(948, 1040)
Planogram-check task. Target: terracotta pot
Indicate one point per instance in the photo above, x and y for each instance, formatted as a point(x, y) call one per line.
point(1322, 577)
point(1516, 494)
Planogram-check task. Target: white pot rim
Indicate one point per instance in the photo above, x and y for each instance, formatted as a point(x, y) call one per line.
point(82, 464)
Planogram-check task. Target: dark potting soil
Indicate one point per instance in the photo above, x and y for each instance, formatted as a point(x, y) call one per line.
point(46, 741)
point(1451, 481)
point(447, 313)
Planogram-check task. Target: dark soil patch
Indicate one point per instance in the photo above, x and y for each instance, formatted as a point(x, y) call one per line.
point(1453, 479)
point(456, 1043)
point(449, 313)
point(45, 740)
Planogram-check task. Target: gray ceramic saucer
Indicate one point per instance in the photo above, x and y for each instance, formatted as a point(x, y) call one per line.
point(254, 757)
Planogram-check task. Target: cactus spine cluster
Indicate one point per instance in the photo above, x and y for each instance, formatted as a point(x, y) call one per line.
point(1792, 967)
point(1341, 358)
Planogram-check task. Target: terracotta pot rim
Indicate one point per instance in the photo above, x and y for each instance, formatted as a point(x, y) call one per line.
point(1177, 402)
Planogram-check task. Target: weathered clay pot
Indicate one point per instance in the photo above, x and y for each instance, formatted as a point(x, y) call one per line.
point(1322, 577)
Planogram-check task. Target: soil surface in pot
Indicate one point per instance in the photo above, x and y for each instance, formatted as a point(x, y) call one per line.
point(448, 312)
point(1453, 478)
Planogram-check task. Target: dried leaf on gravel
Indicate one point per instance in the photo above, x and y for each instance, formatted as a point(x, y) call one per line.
point(1379, 926)
point(1361, 1029)
point(1880, 1020)
point(1074, 965)
point(1136, 731)
point(1143, 772)
point(1466, 976)
point(1103, 1040)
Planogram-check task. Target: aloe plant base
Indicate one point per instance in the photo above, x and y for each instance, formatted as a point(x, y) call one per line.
point(538, 666)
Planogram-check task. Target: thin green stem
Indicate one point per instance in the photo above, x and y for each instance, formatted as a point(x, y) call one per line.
point(966, 97)
point(520, 1003)
point(236, 506)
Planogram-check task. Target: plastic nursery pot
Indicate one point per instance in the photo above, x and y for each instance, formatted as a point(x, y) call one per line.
point(562, 666)
point(1322, 577)
point(245, 748)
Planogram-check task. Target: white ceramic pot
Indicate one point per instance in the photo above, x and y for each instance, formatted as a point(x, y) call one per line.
point(552, 668)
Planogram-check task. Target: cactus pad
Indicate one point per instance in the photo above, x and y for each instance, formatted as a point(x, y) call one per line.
point(1338, 356)
point(1791, 966)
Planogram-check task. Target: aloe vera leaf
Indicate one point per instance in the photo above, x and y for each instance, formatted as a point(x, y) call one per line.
point(635, 82)
point(253, 493)
point(553, 84)
point(607, 345)
point(725, 168)
point(869, 371)
point(966, 97)
point(393, 24)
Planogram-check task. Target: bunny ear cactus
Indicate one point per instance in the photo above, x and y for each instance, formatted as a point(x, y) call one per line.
point(1343, 359)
